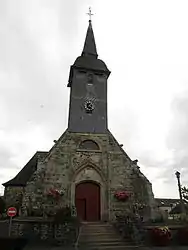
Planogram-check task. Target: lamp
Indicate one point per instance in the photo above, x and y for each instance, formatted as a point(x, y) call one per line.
point(180, 192)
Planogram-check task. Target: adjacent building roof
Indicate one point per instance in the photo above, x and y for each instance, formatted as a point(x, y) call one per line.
point(165, 202)
point(26, 172)
point(177, 209)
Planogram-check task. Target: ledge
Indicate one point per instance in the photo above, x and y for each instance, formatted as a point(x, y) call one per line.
point(88, 151)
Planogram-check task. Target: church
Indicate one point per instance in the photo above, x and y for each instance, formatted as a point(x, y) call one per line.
point(86, 169)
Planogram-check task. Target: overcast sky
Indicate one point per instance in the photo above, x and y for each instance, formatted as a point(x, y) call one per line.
point(144, 44)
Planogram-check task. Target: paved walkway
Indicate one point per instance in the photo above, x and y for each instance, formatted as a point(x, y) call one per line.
point(132, 248)
point(48, 248)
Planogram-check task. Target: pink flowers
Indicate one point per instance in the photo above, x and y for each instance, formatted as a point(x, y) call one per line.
point(122, 195)
point(55, 193)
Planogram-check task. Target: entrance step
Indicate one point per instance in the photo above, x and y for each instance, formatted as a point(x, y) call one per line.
point(101, 236)
point(131, 247)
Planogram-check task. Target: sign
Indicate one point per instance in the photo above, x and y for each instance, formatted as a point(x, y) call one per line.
point(12, 211)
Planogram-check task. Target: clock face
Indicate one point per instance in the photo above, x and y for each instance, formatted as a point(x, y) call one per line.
point(89, 106)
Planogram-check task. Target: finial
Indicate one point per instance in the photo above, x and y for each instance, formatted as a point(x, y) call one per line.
point(89, 14)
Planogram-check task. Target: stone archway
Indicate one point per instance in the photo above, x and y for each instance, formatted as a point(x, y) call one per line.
point(87, 201)
point(90, 174)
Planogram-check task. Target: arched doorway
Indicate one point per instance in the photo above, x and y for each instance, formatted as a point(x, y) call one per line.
point(87, 200)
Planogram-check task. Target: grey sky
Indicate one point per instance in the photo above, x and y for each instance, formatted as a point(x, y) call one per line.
point(144, 44)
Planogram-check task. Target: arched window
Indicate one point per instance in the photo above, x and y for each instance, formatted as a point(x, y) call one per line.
point(89, 145)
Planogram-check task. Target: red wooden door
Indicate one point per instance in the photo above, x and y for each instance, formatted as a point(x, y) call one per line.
point(87, 199)
point(81, 207)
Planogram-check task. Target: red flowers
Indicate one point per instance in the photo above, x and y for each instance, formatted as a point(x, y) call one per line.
point(55, 193)
point(161, 236)
point(122, 195)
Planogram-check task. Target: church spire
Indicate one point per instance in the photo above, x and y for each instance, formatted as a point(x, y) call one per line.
point(90, 46)
point(89, 57)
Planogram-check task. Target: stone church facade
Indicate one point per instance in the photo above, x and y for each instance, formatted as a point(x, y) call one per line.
point(87, 166)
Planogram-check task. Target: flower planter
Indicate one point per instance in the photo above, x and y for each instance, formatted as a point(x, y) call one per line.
point(55, 193)
point(122, 195)
point(160, 236)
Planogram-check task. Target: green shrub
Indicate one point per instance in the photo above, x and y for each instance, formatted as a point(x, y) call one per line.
point(63, 215)
point(2, 205)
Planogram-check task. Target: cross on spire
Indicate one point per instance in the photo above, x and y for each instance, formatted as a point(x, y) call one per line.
point(89, 14)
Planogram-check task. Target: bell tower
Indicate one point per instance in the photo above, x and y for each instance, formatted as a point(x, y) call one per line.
point(88, 90)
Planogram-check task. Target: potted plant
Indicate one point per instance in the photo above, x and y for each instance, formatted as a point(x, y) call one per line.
point(161, 236)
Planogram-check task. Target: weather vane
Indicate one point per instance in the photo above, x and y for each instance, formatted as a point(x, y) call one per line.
point(89, 14)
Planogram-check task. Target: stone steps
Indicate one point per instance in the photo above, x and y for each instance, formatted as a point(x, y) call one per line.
point(96, 240)
point(98, 233)
point(131, 247)
point(96, 236)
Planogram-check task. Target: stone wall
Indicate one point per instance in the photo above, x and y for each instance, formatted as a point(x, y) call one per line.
point(124, 175)
point(67, 164)
point(45, 231)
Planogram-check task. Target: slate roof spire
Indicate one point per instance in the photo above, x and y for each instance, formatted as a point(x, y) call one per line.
point(89, 57)
point(89, 45)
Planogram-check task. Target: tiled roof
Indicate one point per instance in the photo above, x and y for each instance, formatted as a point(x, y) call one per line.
point(166, 202)
point(26, 172)
point(177, 209)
